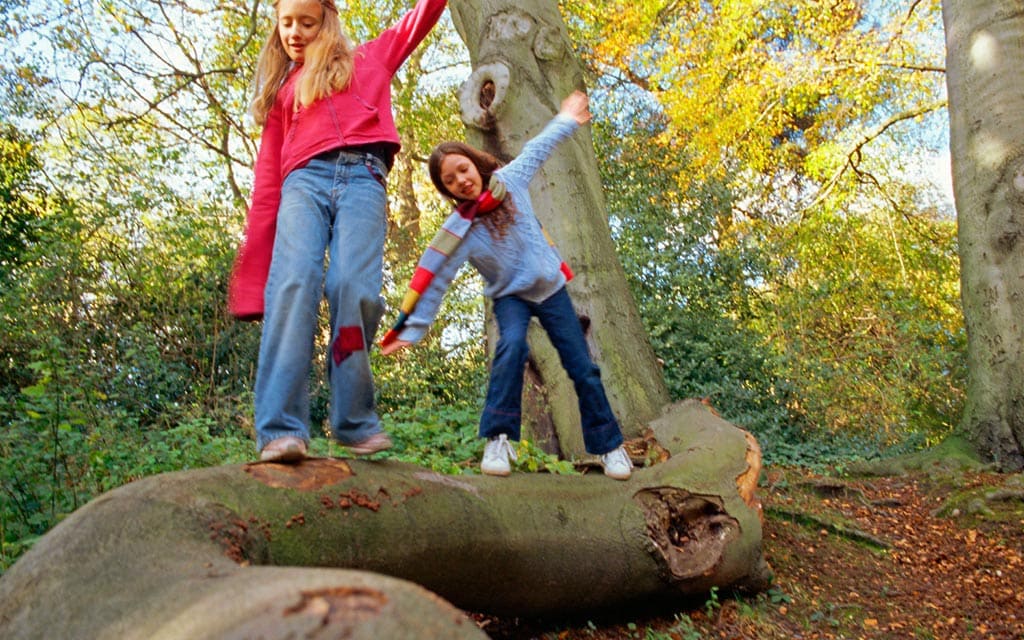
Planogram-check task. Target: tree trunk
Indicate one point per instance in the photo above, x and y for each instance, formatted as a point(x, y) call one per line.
point(984, 56)
point(524, 66)
point(215, 553)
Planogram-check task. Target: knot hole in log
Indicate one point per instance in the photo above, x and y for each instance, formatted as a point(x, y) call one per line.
point(688, 533)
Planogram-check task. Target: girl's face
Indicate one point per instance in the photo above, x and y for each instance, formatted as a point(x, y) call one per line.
point(298, 23)
point(460, 177)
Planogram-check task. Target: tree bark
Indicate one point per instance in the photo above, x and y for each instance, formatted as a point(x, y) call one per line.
point(984, 56)
point(217, 553)
point(524, 65)
point(175, 556)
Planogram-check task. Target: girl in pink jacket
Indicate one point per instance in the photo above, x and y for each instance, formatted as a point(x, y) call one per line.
point(328, 142)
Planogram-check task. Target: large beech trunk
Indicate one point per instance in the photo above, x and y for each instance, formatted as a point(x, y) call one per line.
point(217, 553)
point(984, 55)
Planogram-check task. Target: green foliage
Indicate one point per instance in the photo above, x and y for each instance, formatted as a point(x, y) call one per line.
point(693, 289)
point(58, 453)
point(683, 629)
point(442, 437)
point(19, 213)
point(117, 358)
point(450, 364)
point(533, 459)
point(729, 135)
point(872, 315)
point(713, 604)
point(785, 263)
point(842, 322)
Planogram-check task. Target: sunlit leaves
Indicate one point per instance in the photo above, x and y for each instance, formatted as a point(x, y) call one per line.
point(760, 84)
point(865, 310)
point(20, 200)
point(756, 162)
point(764, 158)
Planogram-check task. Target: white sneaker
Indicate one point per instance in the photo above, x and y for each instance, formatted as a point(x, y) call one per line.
point(617, 464)
point(497, 453)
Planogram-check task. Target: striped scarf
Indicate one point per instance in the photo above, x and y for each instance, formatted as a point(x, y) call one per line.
point(445, 241)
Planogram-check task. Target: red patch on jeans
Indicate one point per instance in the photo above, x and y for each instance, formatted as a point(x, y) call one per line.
point(349, 339)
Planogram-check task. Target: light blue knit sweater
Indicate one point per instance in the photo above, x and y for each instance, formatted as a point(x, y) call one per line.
point(522, 263)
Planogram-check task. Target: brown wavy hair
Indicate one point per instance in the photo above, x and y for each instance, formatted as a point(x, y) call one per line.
point(497, 220)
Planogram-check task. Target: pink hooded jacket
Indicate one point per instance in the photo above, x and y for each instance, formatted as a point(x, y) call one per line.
point(359, 115)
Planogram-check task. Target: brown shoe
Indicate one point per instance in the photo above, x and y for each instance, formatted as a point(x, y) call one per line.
point(286, 449)
point(377, 442)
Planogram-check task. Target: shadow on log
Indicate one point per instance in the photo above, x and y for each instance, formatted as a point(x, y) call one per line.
point(243, 551)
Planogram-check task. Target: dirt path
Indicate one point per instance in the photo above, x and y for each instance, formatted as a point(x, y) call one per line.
point(901, 557)
point(954, 567)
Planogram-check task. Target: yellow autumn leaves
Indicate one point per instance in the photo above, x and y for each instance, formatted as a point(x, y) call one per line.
point(765, 85)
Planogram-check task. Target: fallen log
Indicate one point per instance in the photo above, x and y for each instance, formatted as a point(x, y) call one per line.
point(334, 544)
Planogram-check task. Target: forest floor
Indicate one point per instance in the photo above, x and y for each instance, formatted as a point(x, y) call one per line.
point(933, 554)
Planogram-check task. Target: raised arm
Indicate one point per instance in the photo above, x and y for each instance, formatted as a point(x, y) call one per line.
point(576, 106)
point(400, 39)
point(574, 112)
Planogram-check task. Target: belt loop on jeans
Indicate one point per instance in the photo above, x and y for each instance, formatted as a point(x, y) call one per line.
point(377, 162)
point(361, 157)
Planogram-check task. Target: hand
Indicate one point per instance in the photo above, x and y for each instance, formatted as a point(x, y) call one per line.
point(577, 106)
point(394, 346)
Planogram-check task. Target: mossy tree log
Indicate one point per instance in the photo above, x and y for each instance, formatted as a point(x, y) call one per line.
point(523, 66)
point(191, 554)
point(221, 552)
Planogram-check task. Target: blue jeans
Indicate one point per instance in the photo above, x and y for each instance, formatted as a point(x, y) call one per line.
point(335, 203)
point(503, 408)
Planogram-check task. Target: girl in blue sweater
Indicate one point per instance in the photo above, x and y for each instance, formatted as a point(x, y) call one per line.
point(495, 229)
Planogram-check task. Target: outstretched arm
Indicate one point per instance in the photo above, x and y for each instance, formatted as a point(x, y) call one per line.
point(394, 346)
point(573, 113)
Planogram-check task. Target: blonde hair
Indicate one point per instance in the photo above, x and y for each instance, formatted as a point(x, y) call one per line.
point(327, 61)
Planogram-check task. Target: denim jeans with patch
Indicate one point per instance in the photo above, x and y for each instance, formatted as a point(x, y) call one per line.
point(502, 410)
point(333, 204)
